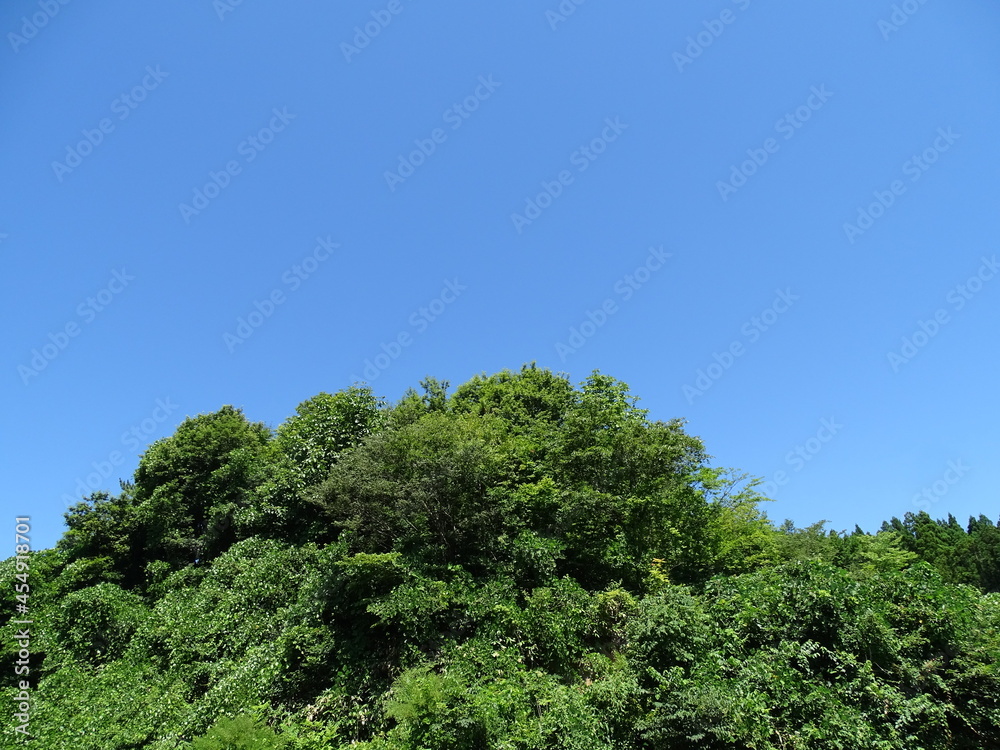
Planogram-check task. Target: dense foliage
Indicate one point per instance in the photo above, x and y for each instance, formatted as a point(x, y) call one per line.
point(519, 564)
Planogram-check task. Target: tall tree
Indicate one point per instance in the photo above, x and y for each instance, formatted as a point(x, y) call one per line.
point(182, 483)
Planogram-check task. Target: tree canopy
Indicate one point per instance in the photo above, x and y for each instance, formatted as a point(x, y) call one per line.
point(521, 563)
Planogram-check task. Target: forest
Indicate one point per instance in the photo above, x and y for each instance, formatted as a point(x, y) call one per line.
point(519, 563)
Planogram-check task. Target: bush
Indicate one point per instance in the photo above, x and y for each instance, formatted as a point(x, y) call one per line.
point(241, 733)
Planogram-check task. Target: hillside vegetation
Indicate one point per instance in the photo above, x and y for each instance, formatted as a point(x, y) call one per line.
point(520, 563)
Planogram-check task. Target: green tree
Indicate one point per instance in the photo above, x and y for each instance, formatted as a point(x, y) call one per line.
point(325, 427)
point(184, 481)
point(102, 537)
point(420, 489)
point(529, 399)
point(882, 552)
point(984, 552)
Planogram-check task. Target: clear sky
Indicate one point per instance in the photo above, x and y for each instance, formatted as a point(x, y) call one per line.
point(779, 223)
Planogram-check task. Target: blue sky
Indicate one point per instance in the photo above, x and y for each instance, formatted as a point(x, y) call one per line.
point(779, 223)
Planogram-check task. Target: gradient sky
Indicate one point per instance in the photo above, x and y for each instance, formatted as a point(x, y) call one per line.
point(779, 223)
